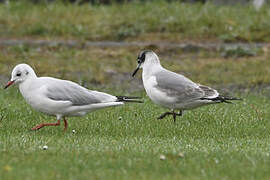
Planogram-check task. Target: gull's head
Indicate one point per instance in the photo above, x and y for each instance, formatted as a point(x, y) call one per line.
point(146, 58)
point(20, 73)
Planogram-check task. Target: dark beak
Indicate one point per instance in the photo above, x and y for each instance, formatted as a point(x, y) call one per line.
point(9, 84)
point(136, 70)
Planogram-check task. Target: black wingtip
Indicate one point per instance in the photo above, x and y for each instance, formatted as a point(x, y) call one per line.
point(222, 99)
point(129, 99)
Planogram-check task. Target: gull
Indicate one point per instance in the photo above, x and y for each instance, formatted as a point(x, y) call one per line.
point(171, 90)
point(60, 98)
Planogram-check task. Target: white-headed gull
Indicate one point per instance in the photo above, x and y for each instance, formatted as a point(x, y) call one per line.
point(172, 90)
point(58, 97)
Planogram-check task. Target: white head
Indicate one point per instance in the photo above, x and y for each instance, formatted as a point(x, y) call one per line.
point(146, 59)
point(20, 73)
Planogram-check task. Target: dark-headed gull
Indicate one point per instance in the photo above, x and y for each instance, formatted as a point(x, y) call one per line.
point(172, 90)
point(58, 97)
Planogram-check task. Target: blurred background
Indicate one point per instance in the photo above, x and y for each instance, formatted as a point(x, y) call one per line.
point(222, 43)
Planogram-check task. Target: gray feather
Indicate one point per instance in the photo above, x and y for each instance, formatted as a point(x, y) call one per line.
point(182, 88)
point(62, 90)
point(208, 92)
point(178, 86)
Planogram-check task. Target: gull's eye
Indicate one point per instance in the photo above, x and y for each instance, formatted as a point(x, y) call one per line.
point(19, 74)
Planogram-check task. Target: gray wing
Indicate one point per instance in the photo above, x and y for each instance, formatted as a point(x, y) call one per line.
point(178, 86)
point(62, 90)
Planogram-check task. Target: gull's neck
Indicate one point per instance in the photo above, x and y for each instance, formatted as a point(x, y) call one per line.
point(26, 84)
point(151, 65)
point(150, 69)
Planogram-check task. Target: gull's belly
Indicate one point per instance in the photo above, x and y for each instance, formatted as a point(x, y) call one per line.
point(156, 95)
point(159, 98)
point(39, 102)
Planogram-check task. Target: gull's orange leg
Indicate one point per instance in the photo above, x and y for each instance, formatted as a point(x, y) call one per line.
point(46, 124)
point(66, 124)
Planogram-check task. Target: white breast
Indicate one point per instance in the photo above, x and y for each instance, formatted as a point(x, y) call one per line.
point(155, 94)
point(34, 96)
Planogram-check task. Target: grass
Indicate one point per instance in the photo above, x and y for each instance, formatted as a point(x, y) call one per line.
point(217, 142)
point(113, 66)
point(149, 21)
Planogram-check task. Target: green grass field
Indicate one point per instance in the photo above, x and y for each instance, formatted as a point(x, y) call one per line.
point(151, 21)
point(224, 141)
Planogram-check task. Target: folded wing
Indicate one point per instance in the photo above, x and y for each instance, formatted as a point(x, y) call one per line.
point(181, 88)
point(62, 90)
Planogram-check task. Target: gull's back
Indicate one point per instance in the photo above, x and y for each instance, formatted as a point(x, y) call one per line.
point(64, 90)
point(177, 86)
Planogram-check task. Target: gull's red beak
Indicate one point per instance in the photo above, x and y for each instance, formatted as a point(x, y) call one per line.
point(9, 84)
